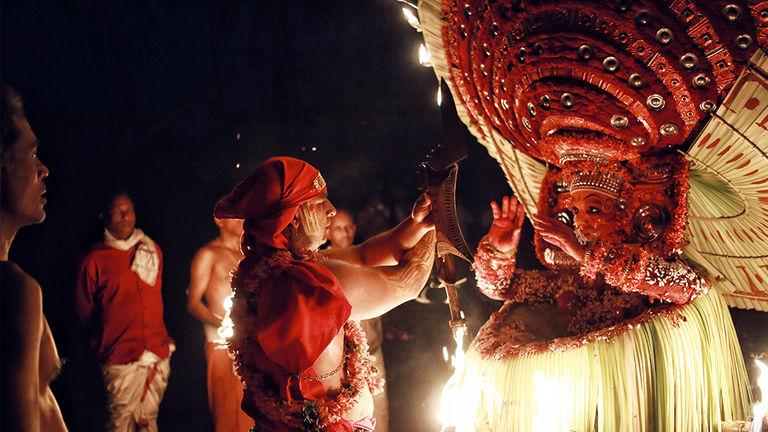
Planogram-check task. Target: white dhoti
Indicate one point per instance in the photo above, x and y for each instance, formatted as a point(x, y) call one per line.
point(134, 393)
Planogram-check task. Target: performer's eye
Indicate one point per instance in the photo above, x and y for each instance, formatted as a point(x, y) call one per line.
point(593, 210)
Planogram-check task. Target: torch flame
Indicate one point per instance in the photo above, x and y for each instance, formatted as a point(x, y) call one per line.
point(227, 328)
point(452, 400)
point(761, 408)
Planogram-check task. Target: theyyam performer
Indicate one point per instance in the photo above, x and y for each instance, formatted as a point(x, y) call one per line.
point(298, 346)
point(634, 136)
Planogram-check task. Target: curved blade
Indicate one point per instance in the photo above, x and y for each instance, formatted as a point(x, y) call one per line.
point(442, 188)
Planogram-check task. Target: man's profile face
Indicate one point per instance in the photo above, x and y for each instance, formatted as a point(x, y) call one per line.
point(594, 214)
point(121, 219)
point(314, 218)
point(23, 176)
point(342, 230)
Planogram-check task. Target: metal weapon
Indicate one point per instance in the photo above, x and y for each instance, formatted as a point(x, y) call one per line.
point(439, 175)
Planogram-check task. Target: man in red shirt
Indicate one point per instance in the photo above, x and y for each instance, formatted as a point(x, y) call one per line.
point(119, 302)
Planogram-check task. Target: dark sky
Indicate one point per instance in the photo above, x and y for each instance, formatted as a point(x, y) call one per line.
point(165, 98)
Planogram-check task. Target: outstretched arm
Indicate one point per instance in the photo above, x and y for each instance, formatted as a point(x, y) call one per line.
point(372, 291)
point(199, 276)
point(387, 248)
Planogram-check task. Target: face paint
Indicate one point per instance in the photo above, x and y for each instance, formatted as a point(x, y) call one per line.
point(312, 221)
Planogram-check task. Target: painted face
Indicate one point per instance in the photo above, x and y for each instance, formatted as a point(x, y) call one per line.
point(594, 214)
point(23, 176)
point(121, 219)
point(314, 218)
point(232, 227)
point(342, 230)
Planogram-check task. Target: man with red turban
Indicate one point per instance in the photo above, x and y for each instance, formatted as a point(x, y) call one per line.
point(298, 346)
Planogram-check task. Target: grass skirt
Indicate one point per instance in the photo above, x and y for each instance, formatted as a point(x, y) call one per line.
point(675, 369)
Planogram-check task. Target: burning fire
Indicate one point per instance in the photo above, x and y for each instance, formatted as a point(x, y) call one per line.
point(227, 327)
point(451, 413)
point(761, 408)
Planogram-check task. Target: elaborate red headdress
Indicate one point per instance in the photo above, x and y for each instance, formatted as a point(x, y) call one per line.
point(645, 74)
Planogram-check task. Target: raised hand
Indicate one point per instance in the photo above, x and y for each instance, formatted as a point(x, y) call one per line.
point(504, 234)
point(559, 235)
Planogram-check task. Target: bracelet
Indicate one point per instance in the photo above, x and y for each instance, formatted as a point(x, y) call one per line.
point(493, 270)
point(485, 244)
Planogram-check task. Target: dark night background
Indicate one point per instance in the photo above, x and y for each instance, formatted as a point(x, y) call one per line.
point(175, 101)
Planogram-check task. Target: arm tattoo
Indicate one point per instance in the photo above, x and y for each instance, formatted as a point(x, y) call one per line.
point(411, 274)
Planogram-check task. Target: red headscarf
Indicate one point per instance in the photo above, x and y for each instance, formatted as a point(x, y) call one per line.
point(269, 198)
point(302, 307)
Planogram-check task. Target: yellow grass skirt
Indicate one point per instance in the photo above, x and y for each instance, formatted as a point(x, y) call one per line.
point(678, 370)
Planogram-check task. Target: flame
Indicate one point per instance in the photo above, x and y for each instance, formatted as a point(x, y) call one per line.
point(761, 408)
point(453, 407)
point(425, 57)
point(227, 328)
point(439, 96)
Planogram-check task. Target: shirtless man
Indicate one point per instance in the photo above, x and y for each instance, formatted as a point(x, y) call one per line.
point(29, 358)
point(210, 280)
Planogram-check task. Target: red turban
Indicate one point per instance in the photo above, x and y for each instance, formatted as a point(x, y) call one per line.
point(301, 307)
point(269, 198)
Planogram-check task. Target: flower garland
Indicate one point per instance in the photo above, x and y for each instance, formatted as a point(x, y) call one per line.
point(305, 415)
point(493, 270)
point(587, 310)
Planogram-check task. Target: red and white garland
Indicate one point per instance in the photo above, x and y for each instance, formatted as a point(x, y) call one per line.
point(305, 415)
point(493, 270)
